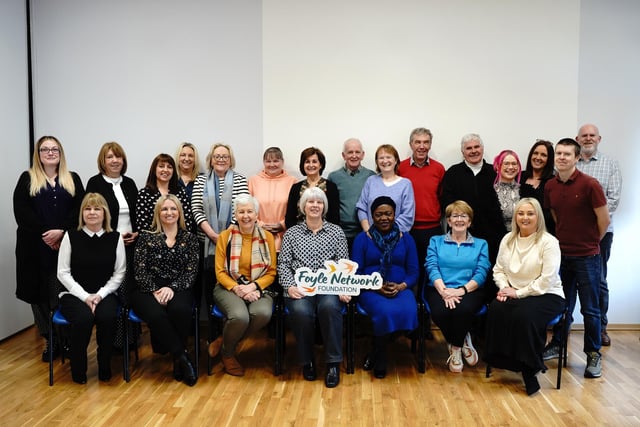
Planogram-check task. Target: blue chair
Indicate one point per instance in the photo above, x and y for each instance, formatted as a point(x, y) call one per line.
point(562, 353)
point(131, 316)
point(55, 318)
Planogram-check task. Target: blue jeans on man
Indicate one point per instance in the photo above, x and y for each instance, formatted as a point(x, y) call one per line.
point(605, 252)
point(581, 275)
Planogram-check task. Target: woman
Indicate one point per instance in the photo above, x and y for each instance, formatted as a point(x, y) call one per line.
point(188, 162)
point(162, 180)
point(312, 164)
point(46, 202)
point(530, 295)
point(309, 244)
point(212, 202)
point(457, 266)
point(387, 183)
point(245, 267)
point(91, 266)
point(166, 264)
point(271, 188)
point(393, 254)
point(507, 183)
point(540, 163)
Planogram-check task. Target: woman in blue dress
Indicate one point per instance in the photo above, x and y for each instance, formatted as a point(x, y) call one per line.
point(392, 253)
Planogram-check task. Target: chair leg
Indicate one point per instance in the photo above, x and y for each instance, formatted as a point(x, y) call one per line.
point(422, 366)
point(279, 341)
point(125, 347)
point(488, 372)
point(51, 348)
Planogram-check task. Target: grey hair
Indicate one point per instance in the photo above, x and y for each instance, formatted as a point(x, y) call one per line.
point(245, 199)
point(344, 144)
point(470, 137)
point(314, 193)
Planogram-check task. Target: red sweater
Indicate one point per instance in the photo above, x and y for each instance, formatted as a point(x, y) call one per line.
point(426, 182)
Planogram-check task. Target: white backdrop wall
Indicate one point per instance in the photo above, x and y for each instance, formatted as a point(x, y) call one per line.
point(14, 122)
point(150, 74)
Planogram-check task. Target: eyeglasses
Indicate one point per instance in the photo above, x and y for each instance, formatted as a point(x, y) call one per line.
point(221, 157)
point(459, 216)
point(52, 150)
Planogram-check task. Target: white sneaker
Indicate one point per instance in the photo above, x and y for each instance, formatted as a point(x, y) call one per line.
point(455, 360)
point(469, 352)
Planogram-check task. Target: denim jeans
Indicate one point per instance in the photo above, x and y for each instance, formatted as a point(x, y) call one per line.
point(605, 252)
point(581, 275)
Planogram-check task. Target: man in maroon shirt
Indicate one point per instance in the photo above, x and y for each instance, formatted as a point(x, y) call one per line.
point(579, 208)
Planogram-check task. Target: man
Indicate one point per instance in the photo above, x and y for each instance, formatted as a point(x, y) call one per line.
point(606, 170)
point(350, 179)
point(579, 208)
point(472, 181)
point(426, 176)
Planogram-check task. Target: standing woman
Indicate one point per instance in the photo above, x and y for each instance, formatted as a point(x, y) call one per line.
point(507, 183)
point(457, 266)
point(245, 267)
point(91, 266)
point(312, 164)
point(539, 170)
point(162, 180)
point(387, 183)
point(46, 202)
point(212, 204)
point(271, 188)
point(393, 254)
point(166, 264)
point(188, 162)
point(530, 295)
point(310, 244)
point(120, 193)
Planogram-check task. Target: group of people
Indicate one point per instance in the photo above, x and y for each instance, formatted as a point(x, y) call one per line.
point(498, 247)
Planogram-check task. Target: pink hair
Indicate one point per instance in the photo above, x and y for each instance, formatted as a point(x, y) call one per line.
point(497, 164)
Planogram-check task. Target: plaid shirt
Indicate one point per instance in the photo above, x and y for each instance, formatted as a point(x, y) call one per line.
point(607, 172)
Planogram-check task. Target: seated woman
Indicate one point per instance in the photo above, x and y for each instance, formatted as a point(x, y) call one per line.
point(457, 266)
point(393, 254)
point(91, 266)
point(530, 295)
point(310, 244)
point(166, 264)
point(245, 266)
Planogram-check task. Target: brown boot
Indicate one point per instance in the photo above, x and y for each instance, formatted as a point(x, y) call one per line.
point(232, 366)
point(215, 346)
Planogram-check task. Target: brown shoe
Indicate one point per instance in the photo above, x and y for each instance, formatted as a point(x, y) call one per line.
point(215, 346)
point(606, 341)
point(232, 366)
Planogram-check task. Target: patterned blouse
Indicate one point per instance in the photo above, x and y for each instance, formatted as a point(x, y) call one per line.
point(146, 202)
point(157, 265)
point(508, 195)
point(303, 248)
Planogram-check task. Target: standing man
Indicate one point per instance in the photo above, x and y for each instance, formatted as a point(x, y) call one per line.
point(606, 170)
point(579, 208)
point(350, 179)
point(426, 176)
point(472, 181)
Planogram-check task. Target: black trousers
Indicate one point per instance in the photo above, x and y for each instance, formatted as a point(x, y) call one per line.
point(79, 314)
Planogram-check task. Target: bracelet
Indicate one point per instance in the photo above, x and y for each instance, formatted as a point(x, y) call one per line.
point(465, 289)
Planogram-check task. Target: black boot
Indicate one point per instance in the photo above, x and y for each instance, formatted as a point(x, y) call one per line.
point(380, 356)
point(189, 374)
point(531, 383)
point(177, 369)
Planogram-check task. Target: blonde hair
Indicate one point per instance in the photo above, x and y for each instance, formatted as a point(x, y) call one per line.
point(196, 161)
point(541, 226)
point(95, 200)
point(232, 159)
point(38, 176)
point(156, 225)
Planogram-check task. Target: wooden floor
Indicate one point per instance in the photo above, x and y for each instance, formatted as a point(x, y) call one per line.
point(403, 398)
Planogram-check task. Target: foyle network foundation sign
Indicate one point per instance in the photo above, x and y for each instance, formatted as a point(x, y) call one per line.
point(336, 279)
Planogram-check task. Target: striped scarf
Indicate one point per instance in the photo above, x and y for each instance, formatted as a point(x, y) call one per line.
point(260, 255)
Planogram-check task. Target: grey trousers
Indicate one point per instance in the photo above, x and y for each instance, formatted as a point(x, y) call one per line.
point(242, 318)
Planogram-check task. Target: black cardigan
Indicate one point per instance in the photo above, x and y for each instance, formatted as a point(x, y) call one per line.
point(97, 184)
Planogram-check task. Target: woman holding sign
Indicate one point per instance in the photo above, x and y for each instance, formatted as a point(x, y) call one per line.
point(309, 244)
point(393, 254)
